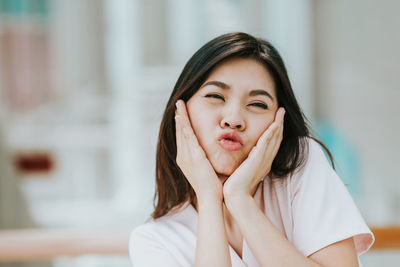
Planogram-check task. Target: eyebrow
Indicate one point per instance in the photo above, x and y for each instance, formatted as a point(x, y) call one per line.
point(223, 85)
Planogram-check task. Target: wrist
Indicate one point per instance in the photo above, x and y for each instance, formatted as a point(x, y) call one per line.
point(235, 192)
point(237, 202)
point(209, 197)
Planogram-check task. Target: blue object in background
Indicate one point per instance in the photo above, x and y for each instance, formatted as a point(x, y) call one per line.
point(344, 155)
point(24, 7)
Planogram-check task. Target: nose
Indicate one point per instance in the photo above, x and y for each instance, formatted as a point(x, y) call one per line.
point(232, 118)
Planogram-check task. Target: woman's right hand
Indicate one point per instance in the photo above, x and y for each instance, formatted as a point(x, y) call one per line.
point(191, 157)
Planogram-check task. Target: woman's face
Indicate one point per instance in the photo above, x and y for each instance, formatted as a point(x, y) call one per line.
point(231, 110)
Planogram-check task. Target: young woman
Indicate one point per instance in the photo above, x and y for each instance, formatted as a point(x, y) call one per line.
point(240, 181)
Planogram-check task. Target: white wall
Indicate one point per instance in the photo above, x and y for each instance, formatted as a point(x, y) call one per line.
point(357, 72)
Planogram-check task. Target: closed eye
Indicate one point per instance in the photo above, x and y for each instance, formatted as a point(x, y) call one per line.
point(217, 96)
point(259, 104)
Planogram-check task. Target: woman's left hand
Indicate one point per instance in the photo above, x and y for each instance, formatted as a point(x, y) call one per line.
point(245, 178)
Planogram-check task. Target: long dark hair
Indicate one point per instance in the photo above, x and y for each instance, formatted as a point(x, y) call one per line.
point(172, 188)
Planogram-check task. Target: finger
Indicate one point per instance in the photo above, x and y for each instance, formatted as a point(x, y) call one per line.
point(279, 115)
point(274, 145)
point(281, 128)
point(279, 138)
point(179, 122)
point(184, 119)
point(181, 136)
point(279, 133)
point(178, 133)
point(281, 124)
point(267, 142)
point(267, 135)
point(271, 138)
point(182, 111)
point(181, 107)
point(191, 144)
point(277, 124)
point(278, 129)
point(272, 142)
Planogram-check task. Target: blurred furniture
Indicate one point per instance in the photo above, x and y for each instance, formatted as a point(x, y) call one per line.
point(386, 238)
point(42, 244)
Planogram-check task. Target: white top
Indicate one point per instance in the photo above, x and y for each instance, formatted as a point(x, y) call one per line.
point(312, 208)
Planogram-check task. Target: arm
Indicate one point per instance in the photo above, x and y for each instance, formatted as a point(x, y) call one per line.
point(267, 243)
point(212, 245)
point(270, 246)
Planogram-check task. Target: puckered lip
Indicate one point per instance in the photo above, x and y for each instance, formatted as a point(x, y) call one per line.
point(231, 135)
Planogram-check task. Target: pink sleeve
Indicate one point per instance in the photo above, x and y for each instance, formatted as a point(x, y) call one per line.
point(323, 211)
point(146, 251)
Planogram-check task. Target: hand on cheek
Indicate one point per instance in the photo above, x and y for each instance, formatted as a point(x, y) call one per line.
point(258, 164)
point(191, 157)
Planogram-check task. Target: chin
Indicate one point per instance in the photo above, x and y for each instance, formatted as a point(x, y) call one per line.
point(225, 169)
point(225, 163)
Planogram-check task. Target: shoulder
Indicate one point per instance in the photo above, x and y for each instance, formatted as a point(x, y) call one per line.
point(315, 153)
point(147, 243)
point(316, 165)
point(150, 229)
point(166, 241)
point(156, 230)
point(143, 235)
point(322, 209)
point(146, 248)
point(145, 230)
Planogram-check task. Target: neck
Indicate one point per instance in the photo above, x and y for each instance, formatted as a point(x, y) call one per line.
point(222, 177)
point(229, 221)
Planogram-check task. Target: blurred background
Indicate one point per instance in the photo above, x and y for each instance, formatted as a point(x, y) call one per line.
point(83, 84)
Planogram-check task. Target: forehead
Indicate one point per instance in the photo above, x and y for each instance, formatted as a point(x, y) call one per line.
point(244, 73)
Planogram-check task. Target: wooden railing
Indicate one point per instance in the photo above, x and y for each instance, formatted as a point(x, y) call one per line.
point(43, 244)
point(386, 238)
